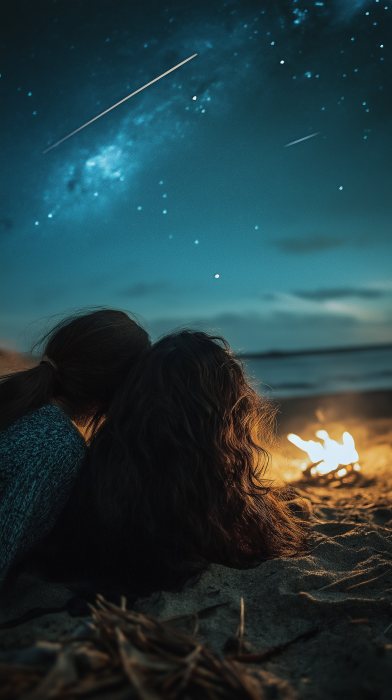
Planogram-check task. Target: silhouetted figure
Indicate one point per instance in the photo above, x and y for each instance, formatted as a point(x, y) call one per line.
point(85, 360)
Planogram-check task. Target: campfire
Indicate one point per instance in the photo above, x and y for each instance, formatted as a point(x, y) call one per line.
point(332, 462)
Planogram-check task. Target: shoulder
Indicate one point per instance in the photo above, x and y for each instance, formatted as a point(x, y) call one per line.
point(43, 424)
point(42, 434)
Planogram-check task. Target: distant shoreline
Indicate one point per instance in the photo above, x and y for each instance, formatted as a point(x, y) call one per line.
point(317, 351)
point(297, 411)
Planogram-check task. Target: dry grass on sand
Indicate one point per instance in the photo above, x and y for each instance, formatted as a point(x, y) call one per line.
point(340, 593)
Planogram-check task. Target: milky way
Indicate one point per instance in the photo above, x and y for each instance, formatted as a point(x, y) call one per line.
point(183, 203)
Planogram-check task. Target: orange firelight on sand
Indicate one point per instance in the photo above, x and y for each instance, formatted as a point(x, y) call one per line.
point(328, 457)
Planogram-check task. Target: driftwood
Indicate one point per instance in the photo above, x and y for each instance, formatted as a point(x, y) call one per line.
point(124, 654)
point(351, 478)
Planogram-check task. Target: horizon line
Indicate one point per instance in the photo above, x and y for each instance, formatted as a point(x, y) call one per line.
point(315, 351)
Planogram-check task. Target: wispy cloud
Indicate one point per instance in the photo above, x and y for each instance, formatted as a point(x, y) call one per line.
point(342, 293)
point(143, 289)
point(313, 243)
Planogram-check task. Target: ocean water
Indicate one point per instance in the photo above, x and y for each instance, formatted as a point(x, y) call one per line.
point(322, 373)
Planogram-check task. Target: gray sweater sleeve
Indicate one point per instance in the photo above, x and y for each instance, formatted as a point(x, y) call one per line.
point(40, 456)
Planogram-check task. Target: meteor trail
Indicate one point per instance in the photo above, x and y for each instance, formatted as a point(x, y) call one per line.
point(303, 139)
point(118, 103)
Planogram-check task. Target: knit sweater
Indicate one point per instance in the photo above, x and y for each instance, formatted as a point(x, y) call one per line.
point(40, 457)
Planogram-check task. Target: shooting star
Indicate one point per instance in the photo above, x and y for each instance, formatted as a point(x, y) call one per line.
point(303, 139)
point(118, 103)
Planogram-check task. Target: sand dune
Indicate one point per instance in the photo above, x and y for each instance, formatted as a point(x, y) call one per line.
point(11, 361)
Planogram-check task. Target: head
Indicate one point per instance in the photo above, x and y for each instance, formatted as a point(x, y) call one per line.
point(90, 356)
point(182, 455)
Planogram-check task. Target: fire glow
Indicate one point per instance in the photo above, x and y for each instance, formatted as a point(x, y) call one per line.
point(328, 457)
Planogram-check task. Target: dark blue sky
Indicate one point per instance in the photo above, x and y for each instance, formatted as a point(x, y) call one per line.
point(192, 177)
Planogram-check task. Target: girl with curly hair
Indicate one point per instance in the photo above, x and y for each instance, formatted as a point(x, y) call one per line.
point(175, 476)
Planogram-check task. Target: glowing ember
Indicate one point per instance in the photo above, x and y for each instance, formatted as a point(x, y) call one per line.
point(328, 457)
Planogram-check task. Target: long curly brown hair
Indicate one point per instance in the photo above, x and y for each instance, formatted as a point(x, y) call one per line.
point(175, 477)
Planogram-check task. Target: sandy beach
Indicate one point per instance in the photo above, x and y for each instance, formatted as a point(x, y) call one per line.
point(341, 590)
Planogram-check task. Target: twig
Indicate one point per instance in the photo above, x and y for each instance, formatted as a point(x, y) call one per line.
point(360, 621)
point(265, 655)
point(363, 583)
point(130, 668)
point(241, 626)
point(341, 580)
point(146, 658)
point(353, 576)
point(200, 613)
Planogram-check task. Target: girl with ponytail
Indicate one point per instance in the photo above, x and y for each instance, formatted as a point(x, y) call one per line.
point(85, 360)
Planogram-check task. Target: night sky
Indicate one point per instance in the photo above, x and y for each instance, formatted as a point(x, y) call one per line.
point(184, 204)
